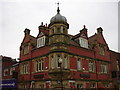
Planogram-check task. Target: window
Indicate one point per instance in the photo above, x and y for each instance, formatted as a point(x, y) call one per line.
point(79, 65)
point(41, 86)
point(92, 85)
point(65, 62)
point(117, 65)
point(91, 66)
point(103, 68)
point(79, 86)
point(26, 49)
point(62, 29)
point(32, 84)
point(25, 68)
point(83, 42)
point(40, 41)
point(52, 62)
point(39, 65)
point(5, 72)
point(58, 30)
point(11, 70)
point(59, 60)
point(106, 85)
point(101, 49)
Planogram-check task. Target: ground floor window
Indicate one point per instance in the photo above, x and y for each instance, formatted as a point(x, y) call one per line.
point(23, 86)
point(92, 85)
point(79, 86)
point(41, 86)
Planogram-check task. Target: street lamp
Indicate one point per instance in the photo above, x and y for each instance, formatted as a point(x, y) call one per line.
point(60, 62)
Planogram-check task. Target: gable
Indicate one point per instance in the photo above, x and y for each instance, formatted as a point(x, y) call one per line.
point(40, 34)
point(83, 35)
point(26, 39)
point(100, 39)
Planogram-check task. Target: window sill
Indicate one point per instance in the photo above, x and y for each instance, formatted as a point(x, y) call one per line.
point(80, 70)
point(38, 71)
point(91, 71)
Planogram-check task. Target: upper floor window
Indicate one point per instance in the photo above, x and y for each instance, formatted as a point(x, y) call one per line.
point(52, 62)
point(40, 41)
point(11, 70)
point(103, 68)
point(39, 65)
point(83, 42)
point(26, 49)
point(59, 61)
point(5, 72)
point(117, 65)
point(25, 68)
point(58, 30)
point(101, 49)
point(79, 65)
point(65, 62)
point(91, 66)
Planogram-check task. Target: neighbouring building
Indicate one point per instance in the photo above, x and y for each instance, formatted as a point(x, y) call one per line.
point(115, 68)
point(10, 69)
point(56, 59)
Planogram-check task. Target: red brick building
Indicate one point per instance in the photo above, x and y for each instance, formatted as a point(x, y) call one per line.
point(56, 59)
point(115, 68)
point(9, 66)
point(10, 69)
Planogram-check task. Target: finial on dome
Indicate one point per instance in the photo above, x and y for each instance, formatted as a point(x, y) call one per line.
point(58, 10)
point(84, 26)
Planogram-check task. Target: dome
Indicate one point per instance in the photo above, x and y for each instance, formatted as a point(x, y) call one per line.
point(58, 18)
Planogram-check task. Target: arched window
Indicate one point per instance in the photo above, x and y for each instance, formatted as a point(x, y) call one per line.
point(59, 61)
point(58, 30)
point(79, 65)
point(52, 62)
point(65, 62)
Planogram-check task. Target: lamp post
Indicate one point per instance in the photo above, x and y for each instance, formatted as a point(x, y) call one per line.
point(60, 62)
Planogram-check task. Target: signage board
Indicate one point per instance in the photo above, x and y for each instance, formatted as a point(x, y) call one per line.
point(85, 75)
point(8, 83)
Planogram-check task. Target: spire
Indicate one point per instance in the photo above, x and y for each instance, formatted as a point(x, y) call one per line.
point(58, 10)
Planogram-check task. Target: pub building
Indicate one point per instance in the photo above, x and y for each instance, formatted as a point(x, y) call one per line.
point(56, 59)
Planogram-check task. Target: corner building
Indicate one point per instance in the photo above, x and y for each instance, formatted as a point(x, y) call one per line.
point(56, 59)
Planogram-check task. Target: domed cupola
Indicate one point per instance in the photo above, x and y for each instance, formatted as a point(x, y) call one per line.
point(58, 19)
point(58, 29)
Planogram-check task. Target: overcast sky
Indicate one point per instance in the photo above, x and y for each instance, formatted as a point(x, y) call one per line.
point(16, 15)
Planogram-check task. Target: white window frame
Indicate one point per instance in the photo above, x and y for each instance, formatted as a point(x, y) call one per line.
point(91, 66)
point(41, 41)
point(83, 42)
point(25, 68)
point(11, 70)
point(65, 62)
point(104, 68)
point(58, 61)
point(79, 64)
point(39, 65)
point(52, 62)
